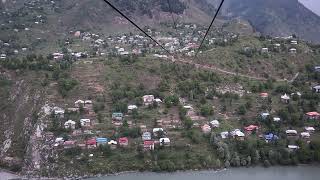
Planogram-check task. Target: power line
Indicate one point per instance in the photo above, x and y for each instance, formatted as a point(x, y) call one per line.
point(146, 34)
point(204, 38)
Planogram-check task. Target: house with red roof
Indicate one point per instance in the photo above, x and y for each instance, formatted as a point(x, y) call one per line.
point(69, 144)
point(91, 143)
point(148, 145)
point(251, 128)
point(264, 95)
point(313, 115)
point(124, 141)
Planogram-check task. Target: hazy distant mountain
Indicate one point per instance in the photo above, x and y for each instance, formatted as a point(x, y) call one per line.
point(276, 17)
point(313, 5)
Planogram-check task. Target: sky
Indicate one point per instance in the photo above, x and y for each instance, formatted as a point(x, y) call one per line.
point(313, 5)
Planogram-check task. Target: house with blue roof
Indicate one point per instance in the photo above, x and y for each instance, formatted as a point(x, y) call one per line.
point(102, 141)
point(271, 137)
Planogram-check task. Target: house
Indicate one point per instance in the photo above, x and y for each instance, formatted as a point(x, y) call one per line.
point(264, 50)
point(215, 124)
point(264, 95)
point(124, 141)
point(305, 135)
point(316, 89)
point(293, 50)
point(112, 142)
point(101, 141)
point(85, 122)
point(224, 134)
point(58, 112)
point(70, 124)
point(285, 98)
point(310, 129)
point(148, 145)
point(276, 119)
point(188, 107)
point(79, 103)
point(313, 115)
point(132, 107)
point(293, 147)
point(69, 144)
point(3, 56)
point(291, 132)
point(264, 115)
point(164, 141)
point(251, 128)
point(237, 134)
point(148, 100)
point(91, 143)
point(270, 137)
point(293, 42)
point(59, 140)
point(87, 102)
point(57, 56)
point(157, 100)
point(146, 136)
point(117, 116)
point(158, 132)
point(206, 129)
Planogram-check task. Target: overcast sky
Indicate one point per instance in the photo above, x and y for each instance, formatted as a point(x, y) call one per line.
point(314, 5)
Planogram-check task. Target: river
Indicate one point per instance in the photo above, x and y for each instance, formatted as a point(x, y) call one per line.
point(272, 173)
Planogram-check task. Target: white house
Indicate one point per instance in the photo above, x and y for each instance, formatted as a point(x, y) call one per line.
point(293, 50)
point(293, 42)
point(224, 134)
point(85, 122)
point(148, 99)
point(132, 107)
point(156, 131)
point(291, 132)
point(79, 103)
point(164, 141)
point(58, 112)
point(276, 119)
point(316, 89)
point(70, 124)
point(215, 123)
point(285, 98)
point(293, 147)
point(237, 134)
point(305, 135)
point(310, 129)
point(3, 56)
point(264, 50)
point(87, 102)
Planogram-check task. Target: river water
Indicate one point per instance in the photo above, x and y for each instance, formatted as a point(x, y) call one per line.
point(272, 173)
point(260, 173)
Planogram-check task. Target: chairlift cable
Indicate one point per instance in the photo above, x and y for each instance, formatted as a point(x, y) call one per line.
point(146, 34)
point(204, 38)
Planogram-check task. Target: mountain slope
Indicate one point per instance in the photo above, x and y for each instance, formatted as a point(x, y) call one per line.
point(275, 17)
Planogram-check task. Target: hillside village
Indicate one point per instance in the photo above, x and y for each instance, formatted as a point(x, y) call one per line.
point(114, 103)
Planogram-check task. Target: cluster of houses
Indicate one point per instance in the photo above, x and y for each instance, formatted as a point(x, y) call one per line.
point(149, 138)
